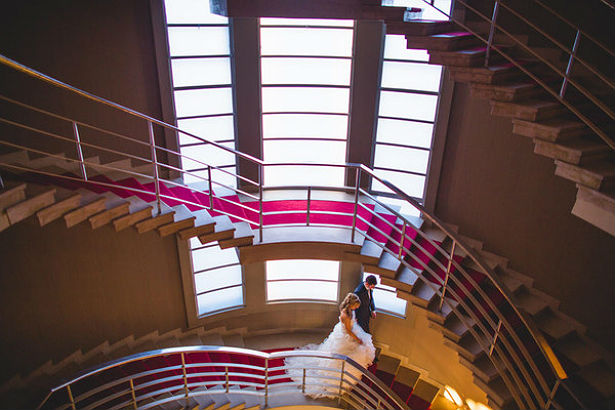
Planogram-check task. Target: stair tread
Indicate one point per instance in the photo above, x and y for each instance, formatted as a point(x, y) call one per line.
point(11, 196)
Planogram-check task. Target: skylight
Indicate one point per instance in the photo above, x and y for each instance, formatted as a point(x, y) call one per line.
point(199, 52)
point(305, 74)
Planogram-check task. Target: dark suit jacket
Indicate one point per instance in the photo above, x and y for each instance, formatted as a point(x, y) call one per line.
point(364, 312)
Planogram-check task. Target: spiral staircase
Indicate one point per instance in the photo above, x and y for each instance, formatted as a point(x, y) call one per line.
point(521, 350)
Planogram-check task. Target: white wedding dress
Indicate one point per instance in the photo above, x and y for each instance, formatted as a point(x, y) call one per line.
point(323, 383)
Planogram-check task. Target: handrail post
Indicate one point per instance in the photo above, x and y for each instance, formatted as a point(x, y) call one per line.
point(70, 397)
point(1, 182)
point(266, 382)
point(575, 46)
point(226, 382)
point(185, 377)
point(339, 393)
point(552, 394)
point(401, 241)
point(210, 188)
point(152, 143)
point(495, 337)
point(357, 181)
point(261, 172)
point(496, 9)
point(309, 202)
point(79, 151)
point(134, 396)
point(303, 382)
point(448, 272)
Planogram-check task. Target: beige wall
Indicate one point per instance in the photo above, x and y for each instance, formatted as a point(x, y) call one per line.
point(64, 289)
point(497, 190)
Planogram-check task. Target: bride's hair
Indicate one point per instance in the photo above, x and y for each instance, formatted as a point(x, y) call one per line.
point(348, 301)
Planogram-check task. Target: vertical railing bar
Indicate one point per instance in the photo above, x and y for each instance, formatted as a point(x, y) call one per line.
point(266, 382)
point(339, 393)
point(185, 376)
point(134, 396)
point(573, 53)
point(210, 188)
point(401, 241)
point(356, 203)
point(79, 151)
point(309, 202)
point(260, 202)
point(1, 182)
point(303, 382)
point(495, 337)
point(448, 272)
point(70, 397)
point(226, 382)
point(152, 143)
point(552, 394)
point(496, 8)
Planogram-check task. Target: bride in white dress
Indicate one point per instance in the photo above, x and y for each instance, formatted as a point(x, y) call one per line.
point(347, 338)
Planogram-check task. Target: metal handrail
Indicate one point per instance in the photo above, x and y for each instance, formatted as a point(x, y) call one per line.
point(373, 392)
point(566, 78)
point(505, 349)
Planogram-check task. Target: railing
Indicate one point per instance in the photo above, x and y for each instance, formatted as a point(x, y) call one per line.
point(586, 104)
point(523, 358)
point(182, 375)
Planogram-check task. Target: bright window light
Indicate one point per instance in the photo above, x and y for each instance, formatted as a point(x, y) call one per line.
point(306, 99)
point(206, 101)
point(191, 12)
point(198, 41)
point(206, 154)
point(395, 48)
point(305, 126)
point(302, 280)
point(275, 21)
point(295, 41)
point(305, 71)
point(201, 71)
point(410, 184)
point(220, 128)
point(411, 76)
point(386, 300)
point(220, 300)
point(403, 159)
point(408, 105)
point(411, 133)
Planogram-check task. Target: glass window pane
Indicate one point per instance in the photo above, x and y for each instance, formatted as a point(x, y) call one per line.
point(417, 134)
point(305, 290)
point(191, 12)
point(304, 176)
point(218, 177)
point(410, 184)
point(275, 21)
point(217, 278)
point(198, 41)
point(305, 71)
point(389, 302)
point(208, 154)
point(408, 105)
point(201, 71)
point(302, 269)
point(404, 159)
point(326, 152)
point(411, 76)
point(405, 207)
point(212, 128)
point(305, 125)
point(306, 41)
point(203, 102)
point(221, 299)
point(213, 256)
point(429, 13)
point(308, 99)
point(395, 47)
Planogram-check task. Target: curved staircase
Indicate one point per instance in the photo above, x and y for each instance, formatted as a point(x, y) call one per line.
point(519, 67)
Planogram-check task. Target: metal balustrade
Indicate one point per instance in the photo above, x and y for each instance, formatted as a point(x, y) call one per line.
point(182, 374)
point(518, 351)
point(603, 81)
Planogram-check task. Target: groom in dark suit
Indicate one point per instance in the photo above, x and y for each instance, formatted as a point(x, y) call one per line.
point(367, 310)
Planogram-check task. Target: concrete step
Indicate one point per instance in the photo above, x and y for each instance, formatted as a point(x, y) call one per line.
point(28, 207)
point(595, 207)
point(203, 224)
point(223, 229)
point(598, 175)
point(182, 219)
point(529, 110)
point(242, 236)
point(419, 27)
point(575, 151)
point(507, 92)
point(554, 129)
point(442, 41)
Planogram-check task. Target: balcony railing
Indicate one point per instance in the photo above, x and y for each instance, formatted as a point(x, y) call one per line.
point(519, 352)
point(182, 374)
